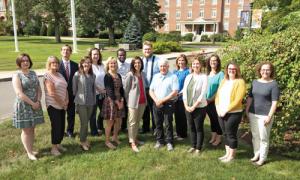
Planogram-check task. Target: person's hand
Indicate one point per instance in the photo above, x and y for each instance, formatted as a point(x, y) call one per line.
point(158, 103)
point(189, 109)
point(247, 113)
point(102, 91)
point(120, 105)
point(267, 120)
point(36, 105)
point(222, 113)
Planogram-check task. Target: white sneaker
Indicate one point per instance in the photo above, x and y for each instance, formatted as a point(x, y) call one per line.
point(170, 147)
point(223, 157)
point(191, 150)
point(158, 145)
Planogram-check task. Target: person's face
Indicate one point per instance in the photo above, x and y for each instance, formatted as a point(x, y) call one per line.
point(95, 56)
point(147, 50)
point(196, 66)
point(53, 64)
point(25, 63)
point(112, 66)
point(65, 52)
point(181, 63)
point(265, 71)
point(86, 65)
point(213, 62)
point(122, 56)
point(164, 68)
point(232, 71)
point(137, 65)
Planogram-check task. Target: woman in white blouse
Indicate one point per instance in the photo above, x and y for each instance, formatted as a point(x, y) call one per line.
point(194, 99)
point(96, 123)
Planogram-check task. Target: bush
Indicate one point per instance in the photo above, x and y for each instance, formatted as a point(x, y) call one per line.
point(50, 30)
point(64, 30)
point(284, 53)
point(165, 37)
point(104, 35)
point(43, 31)
point(238, 34)
point(188, 37)
point(32, 28)
point(6, 28)
point(205, 38)
point(221, 37)
point(165, 47)
point(150, 36)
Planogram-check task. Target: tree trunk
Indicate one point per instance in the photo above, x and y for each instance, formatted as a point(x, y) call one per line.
point(57, 33)
point(111, 35)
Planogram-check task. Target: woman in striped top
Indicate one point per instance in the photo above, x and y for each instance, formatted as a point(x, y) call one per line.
point(57, 100)
point(229, 108)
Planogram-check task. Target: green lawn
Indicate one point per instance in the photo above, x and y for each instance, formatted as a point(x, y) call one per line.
point(101, 163)
point(39, 48)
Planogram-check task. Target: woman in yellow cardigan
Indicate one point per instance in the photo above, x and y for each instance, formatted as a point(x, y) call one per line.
point(229, 108)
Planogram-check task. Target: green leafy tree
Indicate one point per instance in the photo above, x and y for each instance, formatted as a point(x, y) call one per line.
point(133, 32)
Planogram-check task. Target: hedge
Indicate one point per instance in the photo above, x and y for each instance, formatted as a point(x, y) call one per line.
point(165, 47)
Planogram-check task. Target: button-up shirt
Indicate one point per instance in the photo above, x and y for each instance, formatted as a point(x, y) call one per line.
point(147, 62)
point(123, 69)
point(67, 63)
point(163, 85)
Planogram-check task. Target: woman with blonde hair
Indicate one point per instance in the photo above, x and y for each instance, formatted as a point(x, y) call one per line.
point(56, 97)
point(229, 108)
point(113, 105)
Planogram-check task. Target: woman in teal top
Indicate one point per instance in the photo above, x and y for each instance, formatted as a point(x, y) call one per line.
point(180, 119)
point(215, 76)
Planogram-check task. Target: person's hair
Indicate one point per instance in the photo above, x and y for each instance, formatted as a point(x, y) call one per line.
point(109, 60)
point(238, 74)
point(208, 67)
point(49, 61)
point(99, 62)
point(163, 62)
point(147, 43)
point(80, 66)
point(20, 57)
point(272, 68)
point(184, 58)
point(68, 46)
point(132, 69)
point(201, 62)
point(121, 50)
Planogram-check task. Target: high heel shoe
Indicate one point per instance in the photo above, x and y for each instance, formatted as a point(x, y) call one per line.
point(216, 143)
point(134, 148)
point(110, 145)
point(84, 147)
point(254, 159)
point(32, 157)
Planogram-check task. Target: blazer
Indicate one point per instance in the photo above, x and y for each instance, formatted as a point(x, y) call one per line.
point(199, 91)
point(132, 89)
point(73, 69)
point(79, 88)
point(109, 87)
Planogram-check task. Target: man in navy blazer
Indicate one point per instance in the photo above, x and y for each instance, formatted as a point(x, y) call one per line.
point(68, 68)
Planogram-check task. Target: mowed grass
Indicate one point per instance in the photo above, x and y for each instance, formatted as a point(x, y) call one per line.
point(40, 47)
point(101, 163)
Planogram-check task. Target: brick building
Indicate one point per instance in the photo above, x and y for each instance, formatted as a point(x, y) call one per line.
point(3, 5)
point(202, 16)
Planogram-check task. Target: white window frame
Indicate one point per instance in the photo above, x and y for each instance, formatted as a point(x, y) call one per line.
point(178, 28)
point(239, 12)
point(226, 13)
point(226, 25)
point(214, 2)
point(213, 15)
point(202, 2)
point(241, 1)
point(166, 27)
point(190, 14)
point(167, 14)
point(178, 3)
point(227, 1)
point(178, 12)
point(166, 3)
point(190, 2)
point(201, 12)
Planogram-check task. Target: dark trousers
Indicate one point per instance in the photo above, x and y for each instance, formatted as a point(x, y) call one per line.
point(57, 119)
point(163, 115)
point(124, 119)
point(97, 123)
point(146, 115)
point(180, 119)
point(213, 117)
point(230, 124)
point(195, 122)
point(71, 115)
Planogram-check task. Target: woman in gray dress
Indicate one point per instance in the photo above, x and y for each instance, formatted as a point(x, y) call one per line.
point(27, 109)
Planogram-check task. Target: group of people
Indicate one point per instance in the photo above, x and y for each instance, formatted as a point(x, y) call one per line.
point(125, 93)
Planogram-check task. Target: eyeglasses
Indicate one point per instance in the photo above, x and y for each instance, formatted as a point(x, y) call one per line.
point(53, 62)
point(232, 69)
point(26, 60)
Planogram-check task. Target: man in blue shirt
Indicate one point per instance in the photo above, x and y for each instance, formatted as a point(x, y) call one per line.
point(163, 90)
point(150, 62)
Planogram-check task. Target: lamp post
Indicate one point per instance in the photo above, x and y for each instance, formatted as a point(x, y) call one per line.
point(15, 26)
point(250, 21)
point(73, 26)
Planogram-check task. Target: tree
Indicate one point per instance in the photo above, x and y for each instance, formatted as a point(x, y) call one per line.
point(133, 32)
point(147, 12)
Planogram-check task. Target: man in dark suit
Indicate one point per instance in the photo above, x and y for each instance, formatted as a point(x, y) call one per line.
point(68, 68)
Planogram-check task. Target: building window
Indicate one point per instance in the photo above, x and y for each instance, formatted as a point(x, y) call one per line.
point(178, 14)
point(189, 15)
point(166, 3)
point(213, 13)
point(241, 1)
point(214, 2)
point(177, 26)
point(202, 2)
point(225, 26)
point(201, 14)
point(190, 2)
point(227, 1)
point(226, 13)
point(178, 3)
point(166, 27)
point(239, 13)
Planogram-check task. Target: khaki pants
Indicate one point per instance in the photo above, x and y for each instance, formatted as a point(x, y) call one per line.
point(134, 117)
point(260, 135)
point(85, 113)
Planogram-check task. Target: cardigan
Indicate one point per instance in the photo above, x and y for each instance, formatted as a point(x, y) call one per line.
point(109, 86)
point(199, 90)
point(236, 96)
point(132, 89)
point(84, 88)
